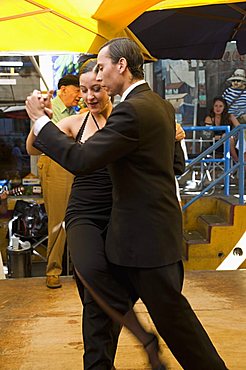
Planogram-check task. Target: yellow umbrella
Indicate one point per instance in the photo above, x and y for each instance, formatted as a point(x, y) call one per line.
point(75, 26)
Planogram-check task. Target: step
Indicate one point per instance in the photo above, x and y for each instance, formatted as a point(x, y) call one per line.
point(205, 223)
point(212, 230)
point(205, 205)
point(213, 220)
point(194, 237)
point(225, 208)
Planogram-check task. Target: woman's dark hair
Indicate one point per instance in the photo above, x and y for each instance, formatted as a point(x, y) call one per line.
point(225, 116)
point(125, 48)
point(88, 66)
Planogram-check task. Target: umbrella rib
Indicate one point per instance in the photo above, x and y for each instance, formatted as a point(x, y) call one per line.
point(237, 8)
point(63, 17)
point(47, 10)
point(23, 15)
point(243, 12)
point(207, 16)
point(238, 28)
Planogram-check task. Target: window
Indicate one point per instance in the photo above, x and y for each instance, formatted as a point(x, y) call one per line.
point(18, 78)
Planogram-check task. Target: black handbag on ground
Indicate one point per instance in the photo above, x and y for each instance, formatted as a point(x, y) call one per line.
point(32, 219)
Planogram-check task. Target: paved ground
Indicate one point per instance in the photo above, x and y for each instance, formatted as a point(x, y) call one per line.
point(40, 327)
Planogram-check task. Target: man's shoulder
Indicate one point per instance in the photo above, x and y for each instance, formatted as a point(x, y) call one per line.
point(59, 110)
point(145, 100)
point(234, 90)
point(57, 102)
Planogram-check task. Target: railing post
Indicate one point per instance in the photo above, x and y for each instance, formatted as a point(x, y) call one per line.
point(228, 169)
point(241, 166)
point(227, 163)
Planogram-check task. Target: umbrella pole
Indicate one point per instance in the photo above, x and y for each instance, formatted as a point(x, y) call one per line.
point(36, 66)
point(195, 105)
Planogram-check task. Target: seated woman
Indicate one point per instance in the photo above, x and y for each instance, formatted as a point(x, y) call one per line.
point(219, 116)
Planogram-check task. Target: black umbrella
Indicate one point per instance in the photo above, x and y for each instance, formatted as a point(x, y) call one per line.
point(192, 33)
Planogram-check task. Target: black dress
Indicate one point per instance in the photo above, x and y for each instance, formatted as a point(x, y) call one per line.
point(86, 220)
point(90, 200)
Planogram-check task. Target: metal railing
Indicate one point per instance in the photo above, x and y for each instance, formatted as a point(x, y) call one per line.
point(228, 168)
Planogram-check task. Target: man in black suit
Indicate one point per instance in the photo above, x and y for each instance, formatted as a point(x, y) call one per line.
point(144, 235)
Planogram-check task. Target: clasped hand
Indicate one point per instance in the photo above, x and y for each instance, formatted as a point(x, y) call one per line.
point(38, 105)
point(180, 134)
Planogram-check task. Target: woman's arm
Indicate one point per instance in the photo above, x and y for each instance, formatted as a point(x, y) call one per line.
point(3, 202)
point(180, 134)
point(65, 125)
point(208, 120)
point(31, 137)
point(234, 120)
point(29, 141)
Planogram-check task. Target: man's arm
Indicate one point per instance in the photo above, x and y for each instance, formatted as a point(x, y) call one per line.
point(116, 139)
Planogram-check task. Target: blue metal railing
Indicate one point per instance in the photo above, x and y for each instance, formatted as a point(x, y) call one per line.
point(228, 169)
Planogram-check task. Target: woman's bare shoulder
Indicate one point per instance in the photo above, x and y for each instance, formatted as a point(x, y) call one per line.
point(208, 119)
point(70, 125)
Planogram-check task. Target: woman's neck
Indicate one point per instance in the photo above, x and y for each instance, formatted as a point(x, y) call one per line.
point(217, 119)
point(105, 113)
point(101, 118)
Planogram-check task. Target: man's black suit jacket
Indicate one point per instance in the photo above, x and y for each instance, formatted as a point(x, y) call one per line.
point(137, 144)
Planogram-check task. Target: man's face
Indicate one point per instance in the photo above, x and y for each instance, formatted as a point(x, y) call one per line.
point(237, 84)
point(70, 95)
point(108, 73)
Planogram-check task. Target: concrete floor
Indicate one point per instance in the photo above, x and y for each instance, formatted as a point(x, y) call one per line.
point(40, 327)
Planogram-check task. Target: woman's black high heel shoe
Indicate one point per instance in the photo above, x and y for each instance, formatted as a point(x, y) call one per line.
point(152, 348)
point(160, 367)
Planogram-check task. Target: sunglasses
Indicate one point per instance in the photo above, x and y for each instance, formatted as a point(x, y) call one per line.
point(236, 80)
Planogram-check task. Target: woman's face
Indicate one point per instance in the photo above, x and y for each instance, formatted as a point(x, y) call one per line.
point(219, 107)
point(94, 95)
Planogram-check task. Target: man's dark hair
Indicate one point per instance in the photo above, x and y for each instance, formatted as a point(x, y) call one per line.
point(68, 80)
point(125, 48)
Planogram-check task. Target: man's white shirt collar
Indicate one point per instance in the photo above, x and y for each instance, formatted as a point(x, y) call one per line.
point(130, 88)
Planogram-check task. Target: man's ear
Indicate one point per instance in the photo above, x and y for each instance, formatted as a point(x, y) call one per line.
point(122, 65)
point(63, 89)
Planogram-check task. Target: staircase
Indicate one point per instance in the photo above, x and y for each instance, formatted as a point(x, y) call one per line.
point(212, 228)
